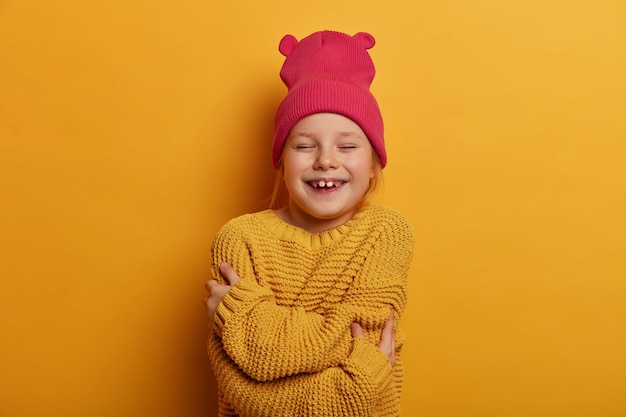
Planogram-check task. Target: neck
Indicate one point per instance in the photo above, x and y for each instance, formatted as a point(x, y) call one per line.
point(309, 223)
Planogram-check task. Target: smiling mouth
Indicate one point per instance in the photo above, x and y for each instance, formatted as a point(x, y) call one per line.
point(326, 184)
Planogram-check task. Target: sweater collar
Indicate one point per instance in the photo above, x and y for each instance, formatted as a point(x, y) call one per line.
point(312, 241)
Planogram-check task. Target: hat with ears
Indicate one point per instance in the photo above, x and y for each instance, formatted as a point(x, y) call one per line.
point(328, 72)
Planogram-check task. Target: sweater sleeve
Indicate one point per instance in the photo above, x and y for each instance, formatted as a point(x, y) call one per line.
point(268, 341)
point(353, 387)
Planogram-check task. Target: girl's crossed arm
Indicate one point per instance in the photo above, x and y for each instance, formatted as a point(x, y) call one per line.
point(353, 387)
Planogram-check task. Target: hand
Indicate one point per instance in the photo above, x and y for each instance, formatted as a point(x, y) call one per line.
point(387, 343)
point(218, 291)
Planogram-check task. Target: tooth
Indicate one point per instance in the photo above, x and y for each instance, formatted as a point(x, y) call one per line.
point(322, 184)
point(329, 184)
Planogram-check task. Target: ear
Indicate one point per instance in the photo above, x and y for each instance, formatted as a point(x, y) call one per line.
point(376, 169)
point(286, 45)
point(366, 40)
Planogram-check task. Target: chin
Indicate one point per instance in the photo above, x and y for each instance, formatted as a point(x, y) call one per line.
point(330, 215)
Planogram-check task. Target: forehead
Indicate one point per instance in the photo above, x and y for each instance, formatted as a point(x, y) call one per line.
point(320, 124)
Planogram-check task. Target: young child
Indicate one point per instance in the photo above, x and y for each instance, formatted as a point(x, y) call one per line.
point(306, 298)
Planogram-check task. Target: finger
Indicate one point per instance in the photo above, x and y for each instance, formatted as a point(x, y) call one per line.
point(389, 323)
point(210, 284)
point(357, 330)
point(387, 336)
point(229, 274)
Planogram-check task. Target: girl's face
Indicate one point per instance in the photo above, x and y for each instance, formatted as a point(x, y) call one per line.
point(328, 164)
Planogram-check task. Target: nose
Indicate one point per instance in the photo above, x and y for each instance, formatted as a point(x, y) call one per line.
point(326, 159)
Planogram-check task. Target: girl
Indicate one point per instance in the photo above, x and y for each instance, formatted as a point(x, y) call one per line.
point(306, 298)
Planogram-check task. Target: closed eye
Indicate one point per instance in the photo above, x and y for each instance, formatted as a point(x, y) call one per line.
point(303, 146)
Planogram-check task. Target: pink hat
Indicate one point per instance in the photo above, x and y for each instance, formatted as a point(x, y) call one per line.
point(328, 72)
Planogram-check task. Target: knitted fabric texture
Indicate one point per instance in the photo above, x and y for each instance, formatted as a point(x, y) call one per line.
point(281, 344)
point(328, 72)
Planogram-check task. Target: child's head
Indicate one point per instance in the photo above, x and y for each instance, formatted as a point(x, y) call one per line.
point(328, 76)
point(329, 72)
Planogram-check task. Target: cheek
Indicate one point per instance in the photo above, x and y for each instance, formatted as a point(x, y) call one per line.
point(292, 171)
point(296, 163)
point(364, 166)
point(288, 170)
point(361, 173)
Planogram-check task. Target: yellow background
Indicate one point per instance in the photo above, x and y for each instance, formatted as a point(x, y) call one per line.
point(132, 129)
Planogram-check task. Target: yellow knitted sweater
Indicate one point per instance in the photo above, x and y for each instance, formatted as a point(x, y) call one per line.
point(282, 344)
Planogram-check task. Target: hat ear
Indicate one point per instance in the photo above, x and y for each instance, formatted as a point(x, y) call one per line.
point(287, 43)
point(366, 40)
